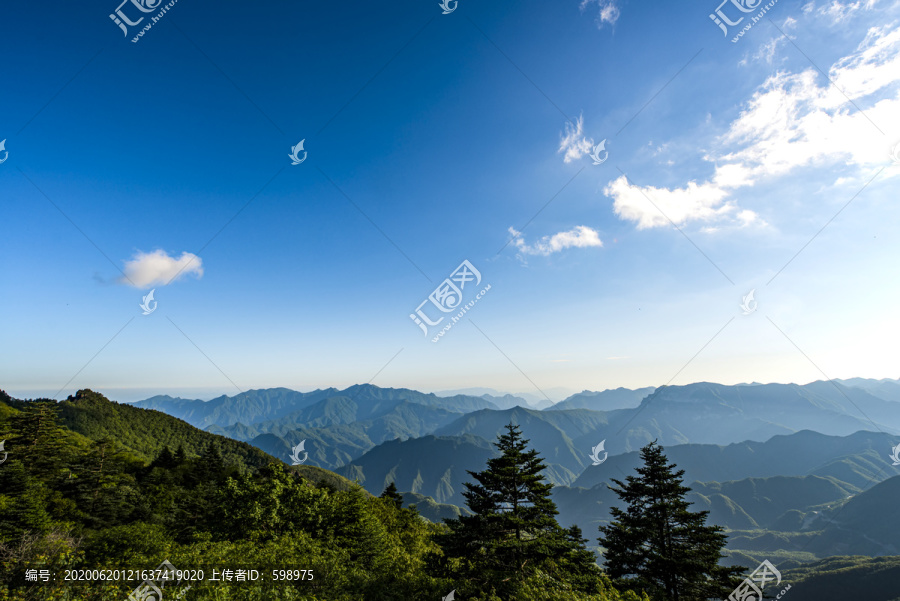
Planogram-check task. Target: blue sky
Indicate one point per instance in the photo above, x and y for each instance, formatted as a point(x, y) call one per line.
point(434, 139)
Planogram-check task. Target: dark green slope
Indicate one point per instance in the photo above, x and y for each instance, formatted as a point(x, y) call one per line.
point(401, 419)
point(329, 448)
point(70, 503)
point(335, 445)
point(89, 416)
point(432, 466)
point(431, 510)
point(10, 407)
point(872, 516)
point(764, 500)
point(551, 432)
point(854, 577)
point(866, 524)
point(147, 432)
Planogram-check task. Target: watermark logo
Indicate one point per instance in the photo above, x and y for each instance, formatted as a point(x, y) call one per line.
point(5, 152)
point(145, 305)
point(447, 298)
point(595, 453)
point(450, 597)
point(154, 587)
point(3, 442)
point(447, 10)
point(139, 6)
point(295, 453)
point(748, 303)
point(739, 9)
point(895, 153)
point(295, 152)
point(145, 6)
point(895, 454)
point(751, 589)
point(595, 154)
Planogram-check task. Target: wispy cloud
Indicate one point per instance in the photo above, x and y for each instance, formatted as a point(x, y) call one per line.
point(838, 12)
point(793, 120)
point(578, 237)
point(573, 143)
point(607, 11)
point(158, 268)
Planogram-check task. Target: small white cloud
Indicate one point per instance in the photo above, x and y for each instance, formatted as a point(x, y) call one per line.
point(839, 11)
point(157, 268)
point(578, 237)
point(607, 13)
point(654, 207)
point(767, 51)
point(573, 143)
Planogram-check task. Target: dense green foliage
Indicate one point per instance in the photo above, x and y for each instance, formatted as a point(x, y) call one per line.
point(513, 541)
point(657, 544)
point(101, 499)
point(147, 432)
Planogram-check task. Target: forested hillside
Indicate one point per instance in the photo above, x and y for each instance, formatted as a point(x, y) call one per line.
point(89, 484)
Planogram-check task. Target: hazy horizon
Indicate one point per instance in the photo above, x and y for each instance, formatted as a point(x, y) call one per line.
point(132, 395)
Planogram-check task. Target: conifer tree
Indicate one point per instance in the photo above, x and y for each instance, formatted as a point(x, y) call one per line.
point(23, 501)
point(513, 533)
point(390, 493)
point(165, 459)
point(38, 439)
point(657, 544)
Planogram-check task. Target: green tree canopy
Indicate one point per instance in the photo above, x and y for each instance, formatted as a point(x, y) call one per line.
point(657, 544)
point(391, 495)
point(513, 535)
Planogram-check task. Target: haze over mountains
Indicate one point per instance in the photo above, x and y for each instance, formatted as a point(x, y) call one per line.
point(767, 460)
point(352, 421)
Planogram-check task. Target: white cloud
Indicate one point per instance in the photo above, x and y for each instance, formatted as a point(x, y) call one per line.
point(608, 11)
point(573, 143)
point(838, 12)
point(654, 207)
point(578, 237)
point(793, 120)
point(158, 268)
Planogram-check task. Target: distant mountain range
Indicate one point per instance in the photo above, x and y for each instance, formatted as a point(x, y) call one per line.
point(537, 400)
point(606, 400)
point(352, 421)
point(762, 458)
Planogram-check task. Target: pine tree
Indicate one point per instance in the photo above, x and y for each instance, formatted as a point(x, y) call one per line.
point(390, 494)
point(657, 544)
point(210, 467)
point(165, 459)
point(23, 498)
point(38, 439)
point(513, 533)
